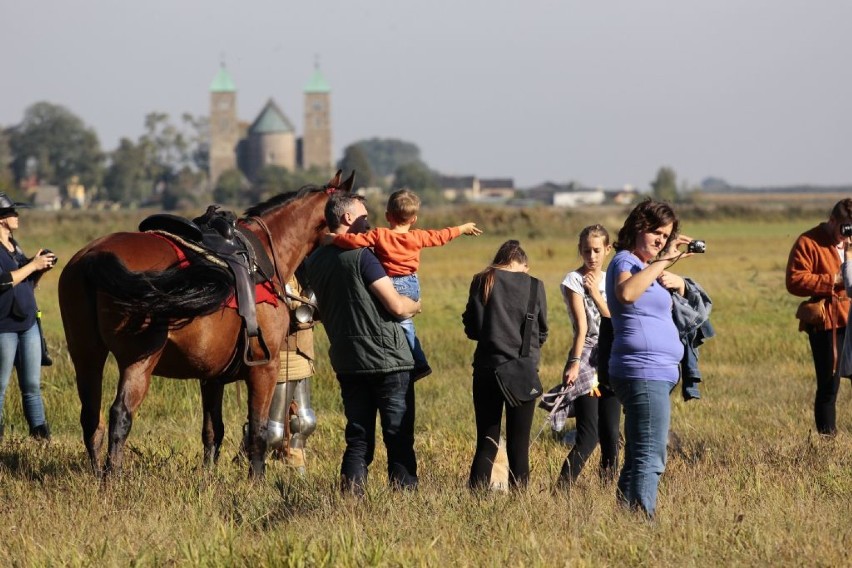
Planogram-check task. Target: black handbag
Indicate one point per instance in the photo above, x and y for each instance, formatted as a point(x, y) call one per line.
point(46, 361)
point(518, 378)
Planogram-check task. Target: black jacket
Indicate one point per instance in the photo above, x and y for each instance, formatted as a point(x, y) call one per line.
point(498, 326)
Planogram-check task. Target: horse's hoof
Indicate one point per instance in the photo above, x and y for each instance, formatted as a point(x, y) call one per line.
point(257, 470)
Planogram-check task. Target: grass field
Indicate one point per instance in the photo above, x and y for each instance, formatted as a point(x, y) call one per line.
point(751, 485)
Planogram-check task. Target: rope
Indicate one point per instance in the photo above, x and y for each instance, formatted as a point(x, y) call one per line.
point(191, 246)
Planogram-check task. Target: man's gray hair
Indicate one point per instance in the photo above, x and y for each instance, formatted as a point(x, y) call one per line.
point(339, 203)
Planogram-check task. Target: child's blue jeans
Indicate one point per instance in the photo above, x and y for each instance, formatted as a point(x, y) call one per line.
point(409, 286)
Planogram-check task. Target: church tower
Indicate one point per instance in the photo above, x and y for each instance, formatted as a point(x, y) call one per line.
point(316, 136)
point(224, 126)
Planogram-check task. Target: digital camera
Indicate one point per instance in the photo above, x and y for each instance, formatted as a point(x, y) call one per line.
point(696, 246)
point(55, 258)
point(846, 229)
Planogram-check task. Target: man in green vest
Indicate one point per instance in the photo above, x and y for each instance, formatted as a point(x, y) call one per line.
point(360, 308)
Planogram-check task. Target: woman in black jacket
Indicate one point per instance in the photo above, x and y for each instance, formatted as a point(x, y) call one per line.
point(494, 317)
point(20, 337)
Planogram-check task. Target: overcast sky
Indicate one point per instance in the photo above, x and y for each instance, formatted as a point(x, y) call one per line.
point(757, 92)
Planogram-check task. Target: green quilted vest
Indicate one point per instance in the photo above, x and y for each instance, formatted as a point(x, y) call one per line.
point(364, 337)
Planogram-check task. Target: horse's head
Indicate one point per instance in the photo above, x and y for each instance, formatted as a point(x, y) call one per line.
point(296, 220)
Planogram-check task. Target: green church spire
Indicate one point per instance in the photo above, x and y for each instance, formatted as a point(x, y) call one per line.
point(317, 84)
point(223, 82)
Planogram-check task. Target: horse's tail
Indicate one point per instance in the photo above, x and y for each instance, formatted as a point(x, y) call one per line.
point(175, 295)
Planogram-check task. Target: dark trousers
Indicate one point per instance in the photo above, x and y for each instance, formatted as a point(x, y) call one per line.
point(598, 420)
point(828, 383)
point(392, 396)
point(488, 406)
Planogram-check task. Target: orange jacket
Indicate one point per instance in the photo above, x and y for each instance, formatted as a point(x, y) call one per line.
point(399, 253)
point(811, 269)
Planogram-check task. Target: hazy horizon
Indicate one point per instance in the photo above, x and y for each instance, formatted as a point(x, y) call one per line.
point(604, 94)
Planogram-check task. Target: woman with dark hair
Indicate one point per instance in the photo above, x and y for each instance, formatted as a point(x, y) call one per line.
point(814, 268)
point(646, 350)
point(495, 317)
point(20, 337)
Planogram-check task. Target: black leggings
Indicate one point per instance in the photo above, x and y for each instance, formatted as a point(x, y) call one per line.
point(488, 405)
point(598, 419)
point(827, 382)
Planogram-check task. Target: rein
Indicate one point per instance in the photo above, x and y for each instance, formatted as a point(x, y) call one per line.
point(262, 224)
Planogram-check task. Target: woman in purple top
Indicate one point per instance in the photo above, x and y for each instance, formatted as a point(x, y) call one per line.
point(646, 350)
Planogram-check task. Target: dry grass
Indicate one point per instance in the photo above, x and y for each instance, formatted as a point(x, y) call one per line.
point(751, 485)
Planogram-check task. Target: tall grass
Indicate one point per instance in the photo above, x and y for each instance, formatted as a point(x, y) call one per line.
point(751, 485)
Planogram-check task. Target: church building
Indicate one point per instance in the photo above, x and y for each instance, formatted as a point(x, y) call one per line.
point(271, 139)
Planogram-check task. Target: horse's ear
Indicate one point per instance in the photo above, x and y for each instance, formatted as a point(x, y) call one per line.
point(335, 181)
point(348, 182)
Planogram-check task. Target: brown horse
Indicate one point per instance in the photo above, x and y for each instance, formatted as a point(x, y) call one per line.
point(125, 294)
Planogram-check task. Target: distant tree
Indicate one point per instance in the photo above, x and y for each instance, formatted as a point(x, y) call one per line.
point(127, 178)
point(355, 158)
point(166, 148)
point(53, 144)
point(185, 190)
point(417, 177)
point(168, 164)
point(198, 137)
point(274, 179)
point(713, 183)
point(665, 185)
point(230, 188)
point(270, 180)
point(7, 179)
point(386, 155)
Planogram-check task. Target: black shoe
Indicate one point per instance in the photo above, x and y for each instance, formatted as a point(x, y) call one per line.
point(40, 432)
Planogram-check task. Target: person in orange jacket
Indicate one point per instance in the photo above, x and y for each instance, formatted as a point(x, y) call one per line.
point(813, 269)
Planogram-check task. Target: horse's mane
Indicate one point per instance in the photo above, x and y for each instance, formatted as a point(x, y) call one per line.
point(279, 200)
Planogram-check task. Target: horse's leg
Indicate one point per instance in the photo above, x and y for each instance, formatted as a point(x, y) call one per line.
point(212, 427)
point(133, 383)
point(78, 303)
point(89, 372)
point(261, 384)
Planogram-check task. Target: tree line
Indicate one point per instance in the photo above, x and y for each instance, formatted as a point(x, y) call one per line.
point(167, 166)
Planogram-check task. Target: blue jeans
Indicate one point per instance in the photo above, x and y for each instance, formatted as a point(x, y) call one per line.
point(647, 415)
point(409, 286)
point(392, 396)
point(23, 351)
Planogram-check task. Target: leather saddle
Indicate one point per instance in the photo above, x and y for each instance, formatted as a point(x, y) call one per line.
point(218, 235)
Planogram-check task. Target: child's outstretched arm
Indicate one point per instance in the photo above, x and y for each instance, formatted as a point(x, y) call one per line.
point(470, 229)
point(354, 240)
point(440, 237)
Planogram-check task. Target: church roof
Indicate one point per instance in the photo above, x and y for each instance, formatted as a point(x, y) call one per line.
point(223, 82)
point(271, 121)
point(317, 84)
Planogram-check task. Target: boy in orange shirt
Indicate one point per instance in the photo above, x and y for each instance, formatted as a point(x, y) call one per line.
point(398, 249)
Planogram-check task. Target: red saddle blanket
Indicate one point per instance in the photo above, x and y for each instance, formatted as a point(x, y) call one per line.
point(263, 292)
